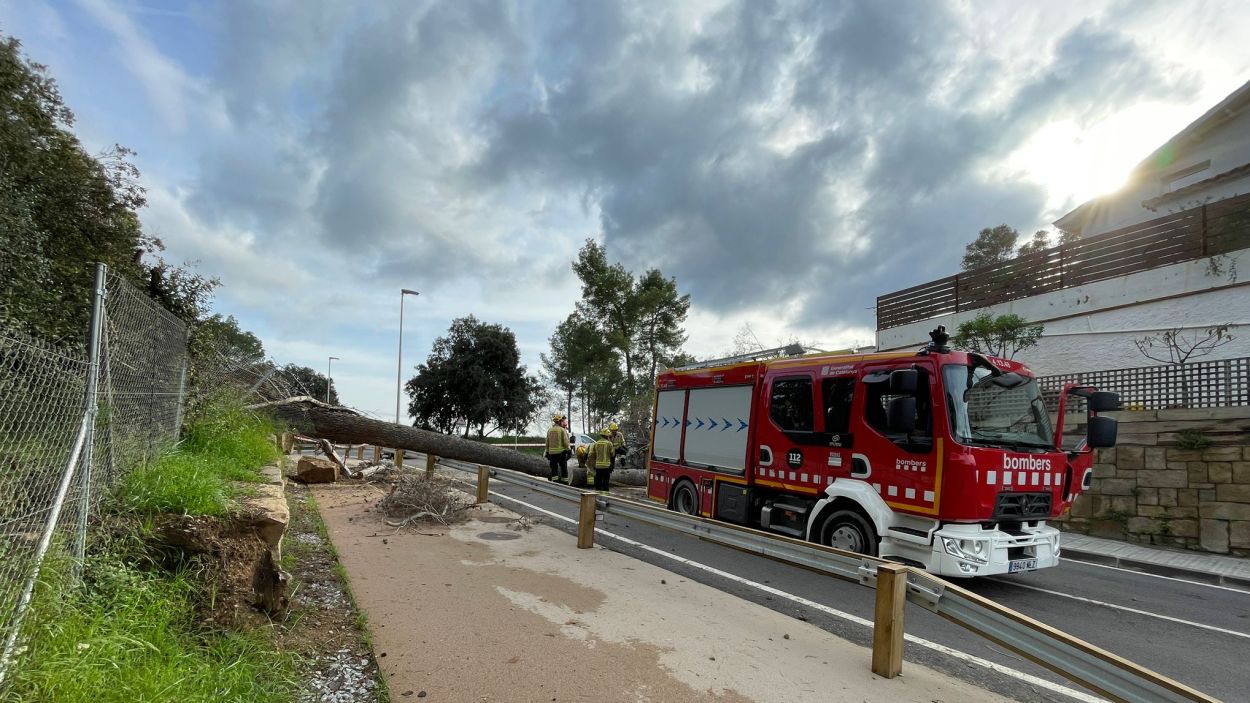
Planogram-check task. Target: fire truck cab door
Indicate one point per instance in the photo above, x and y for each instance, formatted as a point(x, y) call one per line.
point(789, 451)
point(894, 417)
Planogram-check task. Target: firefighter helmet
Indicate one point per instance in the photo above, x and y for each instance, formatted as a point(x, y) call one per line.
point(612, 426)
point(605, 432)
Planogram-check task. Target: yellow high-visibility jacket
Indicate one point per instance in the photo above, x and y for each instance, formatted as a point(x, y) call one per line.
point(618, 439)
point(602, 455)
point(557, 440)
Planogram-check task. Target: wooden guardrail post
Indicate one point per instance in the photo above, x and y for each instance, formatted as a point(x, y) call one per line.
point(483, 481)
point(430, 460)
point(399, 458)
point(887, 628)
point(377, 454)
point(586, 521)
point(360, 452)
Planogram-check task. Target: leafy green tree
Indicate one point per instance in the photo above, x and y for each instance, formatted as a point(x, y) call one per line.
point(62, 210)
point(1003, 336)
point(222, 335)
point(640, 318)
point(993, 245)
point(474, 378)
point(1039, 242)
point(309, 382)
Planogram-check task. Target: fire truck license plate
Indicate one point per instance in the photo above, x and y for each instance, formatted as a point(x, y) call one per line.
point(1021, 565)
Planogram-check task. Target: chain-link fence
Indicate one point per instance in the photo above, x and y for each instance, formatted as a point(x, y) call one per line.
point(73, 422)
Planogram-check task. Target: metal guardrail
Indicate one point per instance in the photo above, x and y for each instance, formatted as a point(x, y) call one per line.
point(1074, 659)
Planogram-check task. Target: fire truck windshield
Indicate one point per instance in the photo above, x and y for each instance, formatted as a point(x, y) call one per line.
point(993, 409)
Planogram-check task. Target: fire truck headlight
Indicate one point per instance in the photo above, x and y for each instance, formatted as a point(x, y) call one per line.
point(955, 548)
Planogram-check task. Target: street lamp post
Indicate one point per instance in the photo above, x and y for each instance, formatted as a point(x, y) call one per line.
point(329, 378)
point(399, 364)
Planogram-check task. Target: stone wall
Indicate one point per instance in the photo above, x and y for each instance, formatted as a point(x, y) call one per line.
point(1178, 478)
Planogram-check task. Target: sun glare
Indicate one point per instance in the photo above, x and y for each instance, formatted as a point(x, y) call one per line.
point(1077, 163)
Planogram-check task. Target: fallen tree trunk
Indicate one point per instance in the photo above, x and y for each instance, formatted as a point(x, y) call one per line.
point(313, 418)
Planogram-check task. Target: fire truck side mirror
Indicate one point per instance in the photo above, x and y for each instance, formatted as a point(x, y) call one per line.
point(1101, 432)
point(903, 381)
point(1103, 401)
point(901, 414)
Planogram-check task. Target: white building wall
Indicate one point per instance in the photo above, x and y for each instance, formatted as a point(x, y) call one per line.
point(1227, 147)
point(1092, 327)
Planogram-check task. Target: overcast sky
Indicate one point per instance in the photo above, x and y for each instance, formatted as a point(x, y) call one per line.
point(787, 162)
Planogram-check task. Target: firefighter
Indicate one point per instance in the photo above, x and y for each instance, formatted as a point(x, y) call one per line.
point(602, 460)
point(618, 442)
point(558, 449)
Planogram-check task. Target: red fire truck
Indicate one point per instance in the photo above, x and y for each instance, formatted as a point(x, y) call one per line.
point(942, 459)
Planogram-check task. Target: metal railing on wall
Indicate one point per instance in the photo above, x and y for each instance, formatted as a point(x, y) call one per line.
point(1207, 230)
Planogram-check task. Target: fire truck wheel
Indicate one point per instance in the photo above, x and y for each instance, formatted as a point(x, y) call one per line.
point(847, 529)
point(685, 500)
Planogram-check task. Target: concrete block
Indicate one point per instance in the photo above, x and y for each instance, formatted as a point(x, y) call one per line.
point(1081, 507)
point(1206, 494)
point(1149, 496)
point(1239, 533)
point(1219, 471)
point(1184, 528)
point(1108, 529)
point(1114, 486)
point(1245, 453)
point(1122, 504)
point(1232, 493)
point(311, 469)
point(1177, 465)
point(1241, 471)
point(1167, 497)
point(1222, 453)
point(1183, 511)
point(1104, 471)
point(1156, 459)
point(1130, 458)
point(1187, 497)
point(1163, 479)
point(1105, 455)
point(1214, 536)
point(1197, 472)
point(1225, 511)
point(1143, 525)
point(1178, 454)
point(1151, 511)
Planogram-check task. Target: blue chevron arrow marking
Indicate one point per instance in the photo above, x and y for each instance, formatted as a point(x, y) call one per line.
point(677, 421)
point(689, 423)
point(711, 423)
point(726, 424)
point(700, 425)
point(742, 424)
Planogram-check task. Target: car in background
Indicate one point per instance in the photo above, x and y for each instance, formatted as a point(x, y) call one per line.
point(581, 444)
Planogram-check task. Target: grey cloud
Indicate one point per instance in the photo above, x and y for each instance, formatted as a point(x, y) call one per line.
point(431, 133)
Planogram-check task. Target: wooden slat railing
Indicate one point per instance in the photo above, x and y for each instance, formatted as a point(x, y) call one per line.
point(1208, 230)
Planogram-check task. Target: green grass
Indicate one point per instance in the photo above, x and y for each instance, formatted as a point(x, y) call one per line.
point(225, 443)
point(129, 634)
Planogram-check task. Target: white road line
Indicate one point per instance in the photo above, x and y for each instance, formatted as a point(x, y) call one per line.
point(963, 656)
point(1125, 608)
point(1157, 576)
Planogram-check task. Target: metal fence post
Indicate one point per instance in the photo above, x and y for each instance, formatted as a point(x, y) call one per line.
point(586, 521)
point(182, 388)
point(93, 377)
point(887, 628)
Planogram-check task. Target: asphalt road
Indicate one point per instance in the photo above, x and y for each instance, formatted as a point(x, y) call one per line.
point(1196, 633)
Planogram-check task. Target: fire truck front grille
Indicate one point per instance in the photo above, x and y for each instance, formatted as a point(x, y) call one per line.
point(1022, 506)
